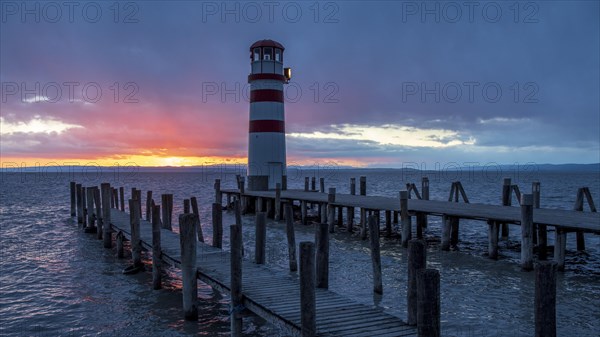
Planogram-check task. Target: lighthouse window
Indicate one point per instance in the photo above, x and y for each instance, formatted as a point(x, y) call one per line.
point(267, 54)
point(256, 54)
point(277, 55)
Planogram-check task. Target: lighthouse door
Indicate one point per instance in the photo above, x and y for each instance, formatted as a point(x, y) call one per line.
point(275, 173)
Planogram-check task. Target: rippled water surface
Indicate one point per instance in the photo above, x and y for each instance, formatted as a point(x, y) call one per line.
point(56, 280)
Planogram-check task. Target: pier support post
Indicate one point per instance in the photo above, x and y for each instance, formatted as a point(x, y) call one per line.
point(331, 210)
point(261, 236)
point(322, 268)
point(545, 299)
point(218, 194)
point(306, 180)
point(217, 223)
point(560, 247)
point(136, 243)
point(308, 305)
point(388, 223)
point(352, 186)
point(454, 227)
point(187, 240)
point(112, 197)
point(277, 215)
point(579, 208)
point(322, 185)
point(236, 278)
point(186, 206)
point(167, 211)
point(493, 239)
point(120, 238)
point(340, 216)
point(90, 207)
point(506, 201)
point(98, 202)
point(405, 218)
point(375, 255)
point(149, 210)
point(542, 232)
point(84, 203)
point(195, 210)
point(417, 260)
point(349, 219)
point(446, 227)
point(323, 212)
point(363, 223)
point(428, 303)
point(79, 194)
point(122, 194)
point(303, 213)
point(526, 232)
point(363, 185)
point(156, 249)
point(291, 236)
point(313, 184)
point(106, 230)
point(73, 190)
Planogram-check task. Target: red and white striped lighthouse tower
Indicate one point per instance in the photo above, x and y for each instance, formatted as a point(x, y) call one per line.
point(266, 146)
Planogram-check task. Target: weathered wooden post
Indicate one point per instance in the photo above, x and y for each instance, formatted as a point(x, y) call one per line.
point(375, 255)
point(542, 231)
point(363, 185)
point(363, 223)
point(579, 208)
point(115, 192)
point(545, 299)
point(106, 229)
point(560, 247)
point(84, 203)
point(187, 240)
point(405, 218)
point(506, 201)
point(493, 239)
point(156, 249)
point(186, 206)
point(350, 210)
point(303, 212)
point(218, 194)
point(167, 211)
point(149, 210)
point(291, 236)
point(308, 307)
point(98, 202)
point(322, 185)
point(323, 212)
point(526, 232)
point(236, 279)
point(313, 183)
point(73, 189)
point(340, 216)
point(428, 303)
point(122, 195)
point(261, 237)
point(243, 199)
point(195, 210)
point(90, 206)
point(322, 263)
point(446, 229)
point(120, 238)
point(331, 209)
point(388, 223)
point(136, 244)
point(79, 195)
point(217, 223)
point(305, 184)
point(112, 197)
point(417, 260)
point(277, 215)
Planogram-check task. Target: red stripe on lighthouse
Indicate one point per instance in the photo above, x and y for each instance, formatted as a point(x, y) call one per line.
point(267, 125)
point(266, 95)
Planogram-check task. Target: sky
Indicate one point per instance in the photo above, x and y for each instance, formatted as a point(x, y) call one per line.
point(375, 84)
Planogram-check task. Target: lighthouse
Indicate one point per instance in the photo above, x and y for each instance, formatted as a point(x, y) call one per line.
point(266, 136)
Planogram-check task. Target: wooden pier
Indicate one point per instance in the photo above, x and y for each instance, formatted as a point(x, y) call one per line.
point(299, 300)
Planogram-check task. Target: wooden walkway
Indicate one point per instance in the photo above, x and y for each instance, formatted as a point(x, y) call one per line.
point(566, 219)
point(275, 294)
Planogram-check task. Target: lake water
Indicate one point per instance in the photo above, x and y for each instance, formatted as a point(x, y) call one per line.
point(56, 280)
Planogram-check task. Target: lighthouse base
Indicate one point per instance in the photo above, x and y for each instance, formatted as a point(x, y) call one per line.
point(258, 183)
